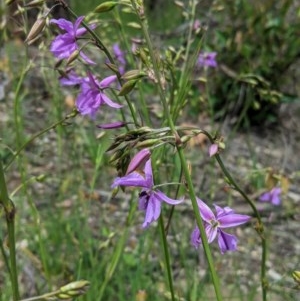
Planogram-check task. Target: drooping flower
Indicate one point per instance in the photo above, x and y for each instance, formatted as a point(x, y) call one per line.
point(207, 59)
point(150, 198)
point(214, 226)
point(66, 44)
point(272, 196)
point(92, 94)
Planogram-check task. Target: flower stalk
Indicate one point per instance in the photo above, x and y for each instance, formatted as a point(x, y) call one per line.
point(9, 209)
point(186, 172)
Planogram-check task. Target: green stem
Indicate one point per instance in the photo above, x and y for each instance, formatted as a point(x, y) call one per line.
point(46, 296)
point(10, 211)
point(188, 179)
point(163, 235)
point(53, 126)
point(184, 164)
point(259, 227)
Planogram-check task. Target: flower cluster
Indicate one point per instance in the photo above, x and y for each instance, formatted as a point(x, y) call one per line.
point(91, 95)
point(139, 172)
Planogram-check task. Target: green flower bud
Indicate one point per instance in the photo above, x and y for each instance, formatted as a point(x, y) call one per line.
point(76, 285)
point(105, 6)
point(133, 74)
point(127, 87)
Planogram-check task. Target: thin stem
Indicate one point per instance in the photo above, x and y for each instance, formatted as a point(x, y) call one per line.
point(259, 227)
point(186, 172)
point(10, 211)
point(167, 256)
point(46, 296)
point(53, 126)
point(188, 179)
point(156, 70)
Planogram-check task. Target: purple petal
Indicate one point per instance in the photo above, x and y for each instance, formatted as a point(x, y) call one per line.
point(223, 211)
point(86, 58)
point(162, 197)
point(77, 23)
point(134, 179)
point(148, 173)
point(227, 242)
point(232, 220)
point(211, 233)
point(152, 211)
point(63, 24)
point(109, 102)
point(265, 197)
point(107, 81)
point(195, 238)
point(205, 211)
point(138, 160)
point(275, 200)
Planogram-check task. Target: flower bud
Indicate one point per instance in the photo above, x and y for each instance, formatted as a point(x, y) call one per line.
point(74, 55)
point(75, 285)
point(113, 125)
point(147, 143)
point(138, 160)
point(296, 276)
point(213, 149)
point(133, 74)
point(127, 87)
point(34, 3)
point(105, 6)
point(112, 67)
point(36, 29)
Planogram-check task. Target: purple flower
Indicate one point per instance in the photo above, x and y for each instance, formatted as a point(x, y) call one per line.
point(120, 57)
point(91, 95)
point(207, 59)
point(272, 196)
point(225, 218)
point(65, 44)
point(150, 199)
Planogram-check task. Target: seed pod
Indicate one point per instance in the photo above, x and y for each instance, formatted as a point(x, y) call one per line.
point(36, 29)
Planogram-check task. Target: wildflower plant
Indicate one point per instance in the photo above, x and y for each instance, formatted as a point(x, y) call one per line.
point(140, 139)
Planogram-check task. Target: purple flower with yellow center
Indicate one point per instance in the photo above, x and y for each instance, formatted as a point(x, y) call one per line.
point(207, 59)
point(272, 196)
point(150, 198)
point(214, 226)
point(66, 44)
point(92, 94)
